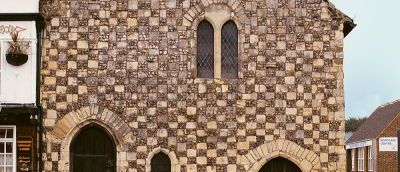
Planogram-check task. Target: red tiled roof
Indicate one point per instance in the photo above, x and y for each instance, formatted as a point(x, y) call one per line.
point(377, 122)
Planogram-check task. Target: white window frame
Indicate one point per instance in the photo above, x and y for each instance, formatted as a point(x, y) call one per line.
point(370, 159)
point(361, 154)
point(14, 141)
point(353, 155)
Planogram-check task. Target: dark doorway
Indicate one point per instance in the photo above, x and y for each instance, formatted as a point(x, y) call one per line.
point(280, 165)
point(160, 163)
point(93, 150)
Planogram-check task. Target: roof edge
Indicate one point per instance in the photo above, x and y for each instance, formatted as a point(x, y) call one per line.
point(348, 22)
point(390, 123)
point(380, 132)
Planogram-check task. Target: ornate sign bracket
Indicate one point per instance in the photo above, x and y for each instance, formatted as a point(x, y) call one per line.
point(10, 29)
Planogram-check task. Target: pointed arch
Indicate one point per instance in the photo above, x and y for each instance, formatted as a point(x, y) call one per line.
point(90, 147)
point(175, 166)
point(279, 164)
point(160, 163)
point(305, 159)
point(95, 113)
point(66, 129)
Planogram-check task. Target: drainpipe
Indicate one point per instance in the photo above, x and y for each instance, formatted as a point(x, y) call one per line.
point(39, 33)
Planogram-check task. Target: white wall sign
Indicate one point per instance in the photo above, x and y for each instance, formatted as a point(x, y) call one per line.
point(388, 144)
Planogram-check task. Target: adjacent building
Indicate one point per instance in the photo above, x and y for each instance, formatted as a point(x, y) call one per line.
point(20, 110)
point(373, 147)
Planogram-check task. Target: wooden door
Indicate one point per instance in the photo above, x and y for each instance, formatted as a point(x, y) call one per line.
point(280, 165)
point(160, 163)
point(93, 150)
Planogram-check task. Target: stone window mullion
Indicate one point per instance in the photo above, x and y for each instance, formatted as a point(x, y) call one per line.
point(217, 52)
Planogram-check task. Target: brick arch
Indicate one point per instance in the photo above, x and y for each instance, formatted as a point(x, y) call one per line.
point(305, 159)
point(94, 113)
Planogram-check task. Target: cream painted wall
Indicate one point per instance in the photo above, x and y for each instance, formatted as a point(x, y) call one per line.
point(14, 6)
point(17, 83)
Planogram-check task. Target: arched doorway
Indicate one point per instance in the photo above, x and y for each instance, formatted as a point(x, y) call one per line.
point(160, 163)
point(280, 165)
point(93, 150)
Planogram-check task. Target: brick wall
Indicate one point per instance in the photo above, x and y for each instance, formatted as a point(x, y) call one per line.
point(387, 161)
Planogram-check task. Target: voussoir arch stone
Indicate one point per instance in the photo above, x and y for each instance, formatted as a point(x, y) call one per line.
point(69, 126)
point(305, 159)
point(193, 16)
point(93, 113)
point(175, 166)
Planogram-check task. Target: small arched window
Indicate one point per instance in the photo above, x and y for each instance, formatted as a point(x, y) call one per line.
point(205, 50)
point(229, 50)
point(160, 163)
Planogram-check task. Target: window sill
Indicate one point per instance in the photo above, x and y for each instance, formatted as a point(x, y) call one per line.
point(215, 80)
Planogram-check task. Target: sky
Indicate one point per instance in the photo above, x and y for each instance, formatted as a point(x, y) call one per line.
point(371, 55)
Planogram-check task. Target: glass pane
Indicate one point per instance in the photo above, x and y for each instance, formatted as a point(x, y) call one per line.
point(8, 147)
point(2, 159)
point(205, 50)
point(2, 147)
point(3, 133)
point(10, 133)
point(9, 169)
point(9, 159)
point(229, 50)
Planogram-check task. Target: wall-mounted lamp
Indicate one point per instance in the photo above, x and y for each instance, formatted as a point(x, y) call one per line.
point(33, 119)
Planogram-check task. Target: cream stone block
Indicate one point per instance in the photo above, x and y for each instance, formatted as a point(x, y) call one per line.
point(191, 168)
point(260, 151)
point(222, 160)
point(279, 144)
point(318, 62)
point(201, 160)
point(132, 22)
point(49, 80)
point(304, 154)
point(202, 88)
point(82, 45)
point(254, 154)
point(306, 165)
point(318, 46)
point(231, 167)
point(191, 110)
point(250, 158)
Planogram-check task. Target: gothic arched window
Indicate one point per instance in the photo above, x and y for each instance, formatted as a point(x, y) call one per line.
point(160, 163)
point(229, 50)
point(205, 50)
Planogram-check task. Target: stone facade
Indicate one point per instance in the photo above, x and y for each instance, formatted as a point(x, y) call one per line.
point(130, 66)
